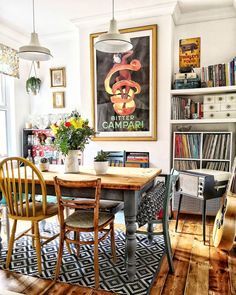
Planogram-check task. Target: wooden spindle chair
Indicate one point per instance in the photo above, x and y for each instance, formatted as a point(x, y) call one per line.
point(86, 218)
point(20, 194)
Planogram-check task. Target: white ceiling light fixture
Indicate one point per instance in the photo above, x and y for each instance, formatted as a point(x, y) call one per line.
point(113, 41)
point(34, 51)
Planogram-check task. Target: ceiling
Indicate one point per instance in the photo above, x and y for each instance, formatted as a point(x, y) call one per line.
point(56, 16)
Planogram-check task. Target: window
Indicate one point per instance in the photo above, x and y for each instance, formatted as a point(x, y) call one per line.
point(6, 84)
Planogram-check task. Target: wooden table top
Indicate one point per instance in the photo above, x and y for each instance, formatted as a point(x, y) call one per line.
point(116, 177)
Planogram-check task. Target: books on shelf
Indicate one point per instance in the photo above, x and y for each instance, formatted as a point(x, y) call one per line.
point(186, 108)
point(216, 146)
point(137, 159)
point(185, 165)
point(219, 74)
point(202, 149)
point(222, 166)
point(187, 145)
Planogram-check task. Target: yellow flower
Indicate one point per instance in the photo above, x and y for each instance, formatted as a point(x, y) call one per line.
point(54, 128)
point(76, 123)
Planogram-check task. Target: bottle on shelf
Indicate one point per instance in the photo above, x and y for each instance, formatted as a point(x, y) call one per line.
point(37, 158)
point(29, 156)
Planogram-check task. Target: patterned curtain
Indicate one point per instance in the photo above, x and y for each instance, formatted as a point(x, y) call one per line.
point(9, 61)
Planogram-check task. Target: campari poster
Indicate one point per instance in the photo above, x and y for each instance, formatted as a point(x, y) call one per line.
point(124, 88)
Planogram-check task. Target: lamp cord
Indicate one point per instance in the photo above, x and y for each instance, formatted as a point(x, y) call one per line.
point(33, 18)
point(113, 9)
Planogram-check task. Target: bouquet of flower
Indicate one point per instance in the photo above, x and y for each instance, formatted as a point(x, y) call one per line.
point(72, 133)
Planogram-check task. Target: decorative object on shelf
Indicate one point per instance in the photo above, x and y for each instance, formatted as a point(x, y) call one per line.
point(125, 97)
point(184, 128)
point(59, 99)
point(189, 53)
point(113, 41)
point(58, 77)
point(34, 51)
point(219, 106)
point(43, 164)
point(73, 133)
point(101, 162)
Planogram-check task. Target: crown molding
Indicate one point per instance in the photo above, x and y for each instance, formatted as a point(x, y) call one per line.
point(14, 37)
point(204, 15)
point(163, 8)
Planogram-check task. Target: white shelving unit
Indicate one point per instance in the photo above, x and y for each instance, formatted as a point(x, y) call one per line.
point(202, 126)
point(201, 161)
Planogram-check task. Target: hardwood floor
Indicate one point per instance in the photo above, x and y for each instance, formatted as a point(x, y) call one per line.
point(199, 269)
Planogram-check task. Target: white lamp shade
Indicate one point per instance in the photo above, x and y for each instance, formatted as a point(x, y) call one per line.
point(34, 51)
point(113, 41)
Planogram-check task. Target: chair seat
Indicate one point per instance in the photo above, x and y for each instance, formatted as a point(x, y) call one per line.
point(85, 219)
point(52, 209)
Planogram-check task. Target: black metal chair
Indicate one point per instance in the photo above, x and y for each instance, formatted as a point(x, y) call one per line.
point(159, 196)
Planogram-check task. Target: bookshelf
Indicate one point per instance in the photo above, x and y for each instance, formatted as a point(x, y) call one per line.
point(202, 149)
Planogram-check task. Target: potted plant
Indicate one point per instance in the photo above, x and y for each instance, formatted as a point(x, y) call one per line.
point(44, 164)
point(101, 162)
point(33, 85)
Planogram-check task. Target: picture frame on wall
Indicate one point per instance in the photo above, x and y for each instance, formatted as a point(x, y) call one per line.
point(59, 99)
point(58, 77)
point(124, 88)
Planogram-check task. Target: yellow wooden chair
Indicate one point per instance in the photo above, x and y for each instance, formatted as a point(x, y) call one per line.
point(87, 218)
point(21, 201)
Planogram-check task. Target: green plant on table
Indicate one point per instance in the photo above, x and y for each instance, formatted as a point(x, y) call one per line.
point(101, 156)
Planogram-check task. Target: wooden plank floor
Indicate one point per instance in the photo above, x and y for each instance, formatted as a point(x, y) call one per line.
point(199, 269)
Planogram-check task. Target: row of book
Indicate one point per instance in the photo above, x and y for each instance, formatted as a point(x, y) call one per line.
point(185, 165)
point(137, 157)
point(185, 108)
point(187, 145)
point(222, 166)
point(219, 74)
point(216, 146)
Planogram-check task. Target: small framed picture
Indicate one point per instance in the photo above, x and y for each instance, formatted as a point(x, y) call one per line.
point(58, 77)
point(59, 99)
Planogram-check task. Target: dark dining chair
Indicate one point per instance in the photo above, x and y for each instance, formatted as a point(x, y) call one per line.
point(154, 208)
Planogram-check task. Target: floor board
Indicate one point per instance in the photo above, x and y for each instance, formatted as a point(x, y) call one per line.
point(199, 269)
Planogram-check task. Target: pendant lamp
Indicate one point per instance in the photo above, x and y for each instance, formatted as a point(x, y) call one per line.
point(34, 51)
point(113, 41)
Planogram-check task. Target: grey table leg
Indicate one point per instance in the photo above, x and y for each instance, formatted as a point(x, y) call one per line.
point(130, 210)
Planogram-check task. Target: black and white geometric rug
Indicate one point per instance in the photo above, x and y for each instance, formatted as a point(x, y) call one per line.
point(80, 271)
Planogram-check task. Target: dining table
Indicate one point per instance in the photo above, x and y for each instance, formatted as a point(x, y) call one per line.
point(126, 184)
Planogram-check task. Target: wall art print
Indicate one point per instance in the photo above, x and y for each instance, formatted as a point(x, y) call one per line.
point(124, 88)
point(189, 52)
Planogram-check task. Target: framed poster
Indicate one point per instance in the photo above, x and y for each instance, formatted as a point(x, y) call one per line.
point(59, 99)
point(189, 53)
point(124, 88)
point(58, 77)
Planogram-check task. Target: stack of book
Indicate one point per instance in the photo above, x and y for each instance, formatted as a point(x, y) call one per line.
point(187, 146)
point(137, 159)
point(219, 74)
point(185, 108)
point(216, 146)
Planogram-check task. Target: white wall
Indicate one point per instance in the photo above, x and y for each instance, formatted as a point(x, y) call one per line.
point(159, 150)
point(65, 54)
point(218, 40)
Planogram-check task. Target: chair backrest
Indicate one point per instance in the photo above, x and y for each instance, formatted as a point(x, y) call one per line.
point(78, 202)
point(116, 158)
point(170, 182)
point(18, 180)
